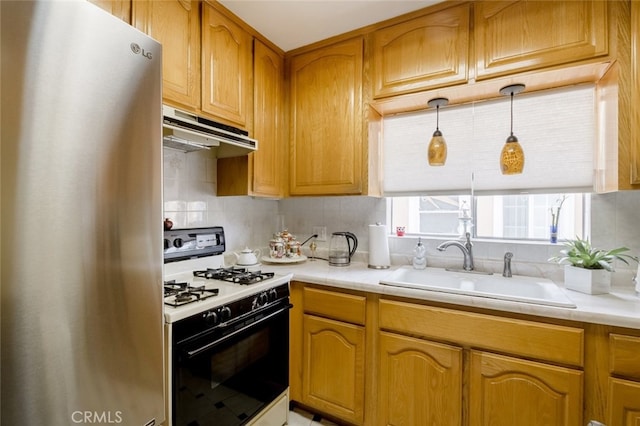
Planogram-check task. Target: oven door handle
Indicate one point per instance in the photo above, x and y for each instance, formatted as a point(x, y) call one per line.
point(197, 351)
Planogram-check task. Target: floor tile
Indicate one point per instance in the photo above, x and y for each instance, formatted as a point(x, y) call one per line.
point(298, 417)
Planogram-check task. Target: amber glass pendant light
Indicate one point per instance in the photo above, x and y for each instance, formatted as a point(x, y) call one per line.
point(512, 156)
point(437, 152)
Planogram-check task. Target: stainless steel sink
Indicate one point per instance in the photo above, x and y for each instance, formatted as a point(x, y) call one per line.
point(518, 288)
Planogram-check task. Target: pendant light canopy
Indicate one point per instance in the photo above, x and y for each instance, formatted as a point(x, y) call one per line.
point(512, 156)
point(437, 152)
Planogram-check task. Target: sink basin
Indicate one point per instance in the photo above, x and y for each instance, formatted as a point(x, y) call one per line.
point(518, 288)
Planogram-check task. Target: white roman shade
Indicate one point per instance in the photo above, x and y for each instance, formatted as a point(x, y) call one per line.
point(556, 128)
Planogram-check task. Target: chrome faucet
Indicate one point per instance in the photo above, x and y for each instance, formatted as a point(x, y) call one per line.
point(465, 248)
point(506, 271)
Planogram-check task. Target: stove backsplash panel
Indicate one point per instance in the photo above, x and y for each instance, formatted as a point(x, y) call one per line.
point(190, 201)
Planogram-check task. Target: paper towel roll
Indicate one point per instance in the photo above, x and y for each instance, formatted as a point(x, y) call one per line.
point(378, 247)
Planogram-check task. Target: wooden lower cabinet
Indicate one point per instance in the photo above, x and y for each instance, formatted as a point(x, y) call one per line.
point(333, 367)
point(506, 391)
point(624, 380)
point(419, 382)
point(367, 359)
point(624, 403)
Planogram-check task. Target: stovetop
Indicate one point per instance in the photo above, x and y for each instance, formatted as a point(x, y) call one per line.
point(181, 293)
point(178, 293)
point(208, 293)
point(197, 279)
point(234, 274)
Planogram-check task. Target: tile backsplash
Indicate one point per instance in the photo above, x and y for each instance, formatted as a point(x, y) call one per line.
point(190, 201)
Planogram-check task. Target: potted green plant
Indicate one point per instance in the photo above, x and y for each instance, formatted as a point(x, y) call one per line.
point(589, 269)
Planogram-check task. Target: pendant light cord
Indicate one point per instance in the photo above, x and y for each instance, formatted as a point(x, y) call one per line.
point(511, 113)
point(437, 117)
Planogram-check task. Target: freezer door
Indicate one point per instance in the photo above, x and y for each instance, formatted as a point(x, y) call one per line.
point(81, 224)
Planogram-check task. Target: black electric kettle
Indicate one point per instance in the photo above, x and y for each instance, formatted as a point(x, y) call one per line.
point(341, 247)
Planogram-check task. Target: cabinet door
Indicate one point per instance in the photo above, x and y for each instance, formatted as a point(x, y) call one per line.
point(514, 36)
point(175, 24)
point(426, 52)
point(226, 68)
point(118, 8)
point(635, 89)
point(333, 367)
point(507, 391)
point(624, 403)
point(420, 382)
point(327, 120)
point(268, 166)
point(263, 172)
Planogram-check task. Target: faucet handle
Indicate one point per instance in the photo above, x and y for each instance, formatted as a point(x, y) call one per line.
point(506, 271)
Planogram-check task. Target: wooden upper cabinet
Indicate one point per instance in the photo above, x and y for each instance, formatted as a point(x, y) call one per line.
point(327, 120)
point(423, 53)
point(268, 164)
point(261, 173)
point(635, 93)
point(515, 36)
point(227, 87)
point(175, 24)
point(118, 8)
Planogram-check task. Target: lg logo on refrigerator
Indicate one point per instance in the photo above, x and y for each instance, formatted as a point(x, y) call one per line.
point(135, 48)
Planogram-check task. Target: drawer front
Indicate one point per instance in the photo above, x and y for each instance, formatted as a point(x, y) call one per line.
point(341, 306)
point(624, 355)
point(518, 337)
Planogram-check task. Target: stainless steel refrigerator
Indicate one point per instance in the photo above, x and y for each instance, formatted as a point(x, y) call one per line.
point(81, 218)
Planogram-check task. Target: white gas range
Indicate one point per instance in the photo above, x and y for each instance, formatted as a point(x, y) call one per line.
point(227, 335)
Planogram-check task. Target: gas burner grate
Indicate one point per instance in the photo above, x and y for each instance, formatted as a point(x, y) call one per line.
point(234, 275)
point(181, 293)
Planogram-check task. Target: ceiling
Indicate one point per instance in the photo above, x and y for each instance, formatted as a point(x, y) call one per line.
point(290, 24)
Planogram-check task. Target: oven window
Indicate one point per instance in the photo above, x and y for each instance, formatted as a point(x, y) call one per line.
point(233, 381)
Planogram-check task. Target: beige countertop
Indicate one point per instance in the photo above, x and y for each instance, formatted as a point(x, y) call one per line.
point(620, 308)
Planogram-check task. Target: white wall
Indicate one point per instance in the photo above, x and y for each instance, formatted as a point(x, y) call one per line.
point(190, 201)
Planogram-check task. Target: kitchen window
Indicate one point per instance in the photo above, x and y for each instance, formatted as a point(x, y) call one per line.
point(525, 217)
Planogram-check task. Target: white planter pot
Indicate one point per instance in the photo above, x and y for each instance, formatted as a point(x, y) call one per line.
point(590, 281)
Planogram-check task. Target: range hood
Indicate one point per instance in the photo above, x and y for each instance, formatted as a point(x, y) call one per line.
point(188, 132)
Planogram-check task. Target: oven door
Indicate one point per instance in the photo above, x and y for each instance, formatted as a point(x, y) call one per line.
point(231, 374)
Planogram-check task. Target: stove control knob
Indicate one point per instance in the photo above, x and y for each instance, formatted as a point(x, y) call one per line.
point(263, 299)
point(167, 244)
point(273, 295)
point(211, 318)
point(225, 314)
point(177, 243)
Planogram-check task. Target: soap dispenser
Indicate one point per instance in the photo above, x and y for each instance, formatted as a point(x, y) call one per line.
point(420, 256)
